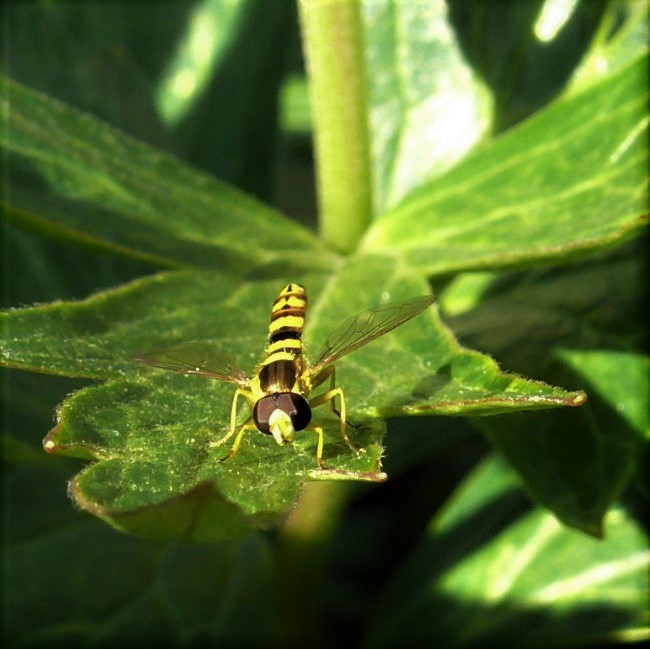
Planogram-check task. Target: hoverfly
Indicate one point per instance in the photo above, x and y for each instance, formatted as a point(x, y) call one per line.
point(278, 392)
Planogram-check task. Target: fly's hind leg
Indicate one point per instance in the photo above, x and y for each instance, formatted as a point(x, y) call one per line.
point(330, 395)
point(247, 425)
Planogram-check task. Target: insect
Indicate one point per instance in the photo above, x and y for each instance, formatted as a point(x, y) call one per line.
point(278, 393)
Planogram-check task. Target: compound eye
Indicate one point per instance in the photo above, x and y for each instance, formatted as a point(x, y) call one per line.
point(262, 412)
point(296, 406)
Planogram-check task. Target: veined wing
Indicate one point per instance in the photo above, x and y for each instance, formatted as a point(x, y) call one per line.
point(196, 357)
point(366, 327)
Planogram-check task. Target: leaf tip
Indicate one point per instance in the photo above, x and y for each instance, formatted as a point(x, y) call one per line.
point(50, 444)
point(577, 399)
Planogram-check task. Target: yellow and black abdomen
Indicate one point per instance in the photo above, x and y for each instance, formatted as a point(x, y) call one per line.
point(280, 371)
point(282, 365)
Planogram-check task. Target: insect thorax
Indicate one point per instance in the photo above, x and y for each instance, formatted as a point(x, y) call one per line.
point(280, 375)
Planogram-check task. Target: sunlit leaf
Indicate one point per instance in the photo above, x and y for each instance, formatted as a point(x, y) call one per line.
point(427, 106)
point(490, 569)
point(568, 181)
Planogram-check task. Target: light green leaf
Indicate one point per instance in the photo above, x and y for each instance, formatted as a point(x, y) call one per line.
point(570, 180)
point(621, 380)
point(622, 36)
point(491, 572)
point(427, 108)
point(96, 338)
point(76, 178)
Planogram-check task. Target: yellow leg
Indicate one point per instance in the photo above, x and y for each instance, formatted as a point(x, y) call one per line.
point(235, 447)
point(239, 392)
point(330, 395)
point(233, 416)
point(319, 447)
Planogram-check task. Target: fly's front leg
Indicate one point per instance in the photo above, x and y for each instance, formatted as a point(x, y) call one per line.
point(330, 395)
point(247, 425)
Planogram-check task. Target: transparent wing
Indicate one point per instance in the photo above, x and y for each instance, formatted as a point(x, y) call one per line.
point(366, 327)
point(195, 358)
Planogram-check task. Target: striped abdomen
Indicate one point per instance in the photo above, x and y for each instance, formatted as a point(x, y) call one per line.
point(283, 362)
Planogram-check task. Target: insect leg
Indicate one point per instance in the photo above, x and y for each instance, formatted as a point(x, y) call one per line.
point(235, 447)
point(330, 395)
point(319, 447)
point(247, 425)
point(233, 416)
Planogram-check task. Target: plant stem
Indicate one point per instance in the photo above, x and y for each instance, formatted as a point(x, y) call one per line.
point(332, 34)
point(301, 559)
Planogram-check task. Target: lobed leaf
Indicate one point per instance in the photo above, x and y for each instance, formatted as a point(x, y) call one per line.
point(152, 433)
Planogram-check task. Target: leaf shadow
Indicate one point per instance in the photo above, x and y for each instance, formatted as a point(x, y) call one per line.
point(426, 387)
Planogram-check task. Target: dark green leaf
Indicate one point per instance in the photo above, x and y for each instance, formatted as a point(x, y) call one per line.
point(230, 127)
point(621, 382)
point(175, 75)
point(161, 593)
point(520, 59)
point(620, 378)
point(574, 462)
point(60, 584)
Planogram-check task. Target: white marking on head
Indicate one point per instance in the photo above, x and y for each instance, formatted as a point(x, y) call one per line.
point(281, 427)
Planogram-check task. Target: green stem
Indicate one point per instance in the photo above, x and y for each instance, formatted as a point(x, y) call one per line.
point(332, 34)
point(301, 560)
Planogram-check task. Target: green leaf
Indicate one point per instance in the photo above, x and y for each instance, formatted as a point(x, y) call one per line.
point(124, 63)
point(95, 338)
point(427, 108)
point(152, 432)
point(525, 63)
point(491, 572)
point(622, 36)
point(165, 593)
point(621, 380)
point(212, 27)
point(147, 435)
point(73, 177)
point(100, 59)
point(230, 124)
point(570, 180)
point(574, 462)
